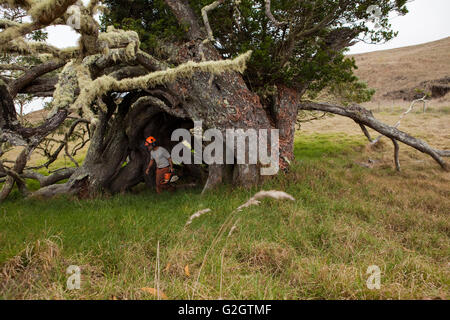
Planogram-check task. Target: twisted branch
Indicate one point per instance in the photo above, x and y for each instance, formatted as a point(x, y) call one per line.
point(271, 17)
point(366, 118)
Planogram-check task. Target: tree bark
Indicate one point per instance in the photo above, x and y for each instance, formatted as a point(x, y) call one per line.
point(285, 114)
point(33, 74)
point(45, 181)
point(14, 176)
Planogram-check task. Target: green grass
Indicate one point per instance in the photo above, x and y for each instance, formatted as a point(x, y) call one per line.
point(345, 218)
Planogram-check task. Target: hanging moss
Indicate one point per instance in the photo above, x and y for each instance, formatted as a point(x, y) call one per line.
point(64, 94)
point(22, 47)
point(90, 90)
point(111, 41)
point(45, 11)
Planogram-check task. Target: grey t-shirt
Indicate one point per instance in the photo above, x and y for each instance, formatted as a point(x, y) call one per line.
point(161, 156)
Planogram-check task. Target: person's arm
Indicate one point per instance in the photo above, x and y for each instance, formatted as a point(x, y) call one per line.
point(171, 164)
point(150, 164)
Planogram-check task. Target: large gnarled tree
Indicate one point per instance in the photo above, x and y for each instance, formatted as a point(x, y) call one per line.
point(155, 66)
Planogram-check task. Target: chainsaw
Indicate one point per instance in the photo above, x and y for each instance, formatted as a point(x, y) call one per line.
point(169, 177)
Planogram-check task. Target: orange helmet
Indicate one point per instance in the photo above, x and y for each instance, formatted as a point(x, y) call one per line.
point(150, 140)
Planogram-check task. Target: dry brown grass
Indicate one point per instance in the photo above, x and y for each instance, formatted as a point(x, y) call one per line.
point(270, 258)
point(37, 261)
point(421, 188)
point(405, 67)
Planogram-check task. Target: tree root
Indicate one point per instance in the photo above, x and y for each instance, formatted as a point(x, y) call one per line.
point(53, 190)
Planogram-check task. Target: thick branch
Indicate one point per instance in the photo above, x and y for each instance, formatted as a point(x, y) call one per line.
point(40, 132)
point(34, 73)
point(21, 47)
point(54, 190)
point(365, 117)
point(41, 87)
point(100, 86)
point(13, 175)
point(8, 116)
point(149, 62)
point(43, 14)
point(51, 179)
point(186, 17)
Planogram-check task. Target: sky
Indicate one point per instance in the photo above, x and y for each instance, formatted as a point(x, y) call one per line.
point(427, 20)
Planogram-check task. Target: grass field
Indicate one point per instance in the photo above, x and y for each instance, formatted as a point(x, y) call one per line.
point(345, 218)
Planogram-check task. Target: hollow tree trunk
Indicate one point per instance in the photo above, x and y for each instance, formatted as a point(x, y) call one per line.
point(221, 102)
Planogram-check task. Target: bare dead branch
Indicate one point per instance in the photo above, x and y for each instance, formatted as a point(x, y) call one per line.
point(205, 11)
point(63, 145)
point(66, 150)
point(365, 117)
point(365, 131)
point(322, 116)
point(411, 106)
point(50, 179)
point(34, 73)
point(396, 156)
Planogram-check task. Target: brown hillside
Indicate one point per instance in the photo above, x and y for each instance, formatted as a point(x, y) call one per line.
point(36, 116)
point(405, 69)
